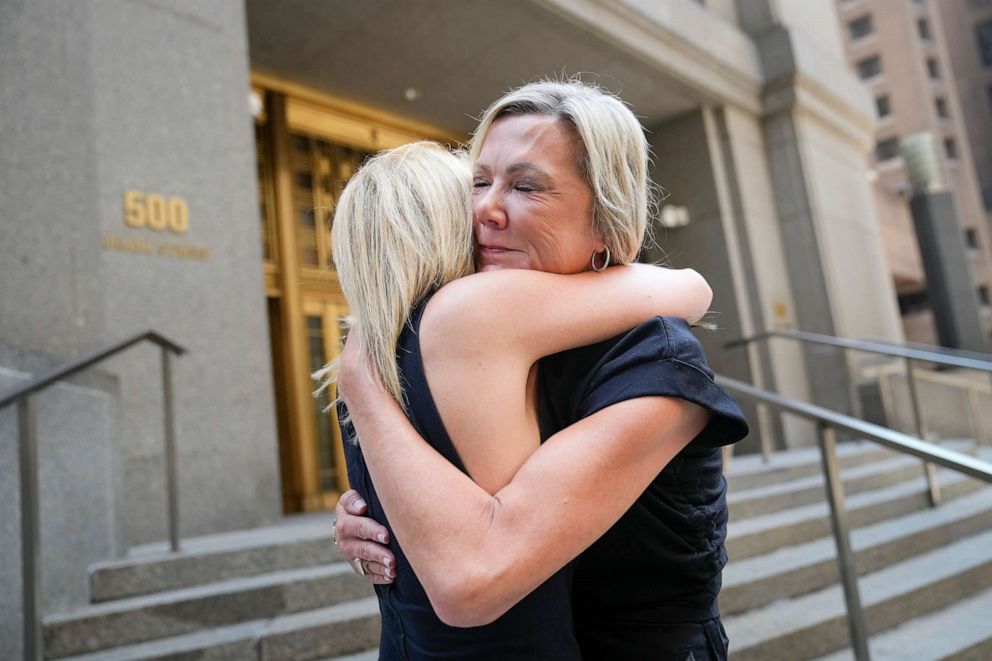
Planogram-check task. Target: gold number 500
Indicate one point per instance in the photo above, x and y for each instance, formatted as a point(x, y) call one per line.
point(155, 212)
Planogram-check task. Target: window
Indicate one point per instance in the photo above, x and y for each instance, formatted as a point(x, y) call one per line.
point(983, 295)
point(860, 27)
point(869, 67)
point(983, 33)
point(887, 149)
point(883, 106)
point(950, 148)
point(971, 238)
point(923, 27)
point(933, 68)
point(987, 197)
point(913, 302)
point(940, 104)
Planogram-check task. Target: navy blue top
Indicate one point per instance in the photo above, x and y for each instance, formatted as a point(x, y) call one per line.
point(659, 566)
point(538, 627)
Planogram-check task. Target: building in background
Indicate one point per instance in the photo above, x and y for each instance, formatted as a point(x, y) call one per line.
point(969, 22)
point(173, 165)
point(923, 62)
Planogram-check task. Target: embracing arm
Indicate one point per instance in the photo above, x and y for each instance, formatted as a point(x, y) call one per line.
point(485, 332)
point(479, 554)
point(536, 314)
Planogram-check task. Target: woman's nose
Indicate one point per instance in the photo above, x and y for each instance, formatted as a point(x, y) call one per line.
point(487, 208)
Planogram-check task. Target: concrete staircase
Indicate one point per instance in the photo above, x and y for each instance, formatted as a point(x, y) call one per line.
point(284, 593)
point(281, 592)
point(919, 567)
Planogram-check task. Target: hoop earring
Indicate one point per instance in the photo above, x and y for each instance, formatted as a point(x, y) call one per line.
point(606, 262)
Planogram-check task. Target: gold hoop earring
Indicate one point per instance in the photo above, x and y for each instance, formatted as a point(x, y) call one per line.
point(606, 261)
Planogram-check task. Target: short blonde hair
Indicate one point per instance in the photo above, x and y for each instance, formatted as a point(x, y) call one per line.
point(613, 157)
point(402, 229)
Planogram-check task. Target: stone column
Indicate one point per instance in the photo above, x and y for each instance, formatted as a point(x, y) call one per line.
point(950, 285)
point(128, 189)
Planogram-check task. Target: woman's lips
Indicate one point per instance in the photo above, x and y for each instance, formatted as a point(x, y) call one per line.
point(494, 250)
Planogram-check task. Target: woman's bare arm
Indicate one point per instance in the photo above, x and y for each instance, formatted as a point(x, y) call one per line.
point(540, 314)
point(484, 334)
point(479, 554)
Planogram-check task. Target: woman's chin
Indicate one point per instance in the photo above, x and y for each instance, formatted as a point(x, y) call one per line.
point(500, 262)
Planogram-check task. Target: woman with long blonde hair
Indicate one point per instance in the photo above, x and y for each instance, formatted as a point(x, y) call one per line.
point(630, 476)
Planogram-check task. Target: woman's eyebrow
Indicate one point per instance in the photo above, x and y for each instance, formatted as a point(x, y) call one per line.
point(531, 168)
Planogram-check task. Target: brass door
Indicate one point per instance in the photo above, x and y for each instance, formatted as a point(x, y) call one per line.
point(307, 146)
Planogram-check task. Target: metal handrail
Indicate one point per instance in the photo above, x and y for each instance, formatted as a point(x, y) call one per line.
point(28, 453)
point(909, 354)
point(947, 351)
point(871, 347)
point(827, 423)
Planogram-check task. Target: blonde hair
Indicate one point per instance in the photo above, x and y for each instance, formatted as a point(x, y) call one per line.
point(613, 153)
point(402, 229)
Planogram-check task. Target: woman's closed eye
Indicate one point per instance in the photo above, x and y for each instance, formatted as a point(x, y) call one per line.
point(526, 187)
point(479, 182)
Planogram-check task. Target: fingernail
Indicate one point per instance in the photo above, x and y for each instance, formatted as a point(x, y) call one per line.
point(382, 538)
point(389, 573)
point(387, 561)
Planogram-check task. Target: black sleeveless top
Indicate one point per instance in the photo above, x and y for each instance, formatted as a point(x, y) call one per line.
point(538, 627)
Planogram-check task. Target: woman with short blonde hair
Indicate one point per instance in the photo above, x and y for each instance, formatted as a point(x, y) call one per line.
point(402, 238)
point(631, 464)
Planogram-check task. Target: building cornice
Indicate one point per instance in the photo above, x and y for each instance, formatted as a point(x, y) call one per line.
point(725, 65)
point(679, 39)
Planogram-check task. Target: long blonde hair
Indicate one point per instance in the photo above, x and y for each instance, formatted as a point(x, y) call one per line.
point(402, 229)
point(613, 153)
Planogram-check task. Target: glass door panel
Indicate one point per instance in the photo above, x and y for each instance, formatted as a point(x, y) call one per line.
point(323, 344)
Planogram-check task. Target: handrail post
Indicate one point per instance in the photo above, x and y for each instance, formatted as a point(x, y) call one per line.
point(170, 451)
point(30, 534)
point(933, 487)
point(845, 556)
point(764, 415)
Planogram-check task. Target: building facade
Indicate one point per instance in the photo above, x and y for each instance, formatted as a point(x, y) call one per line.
point(921, 65)
point(173, 165)
point(970, 54)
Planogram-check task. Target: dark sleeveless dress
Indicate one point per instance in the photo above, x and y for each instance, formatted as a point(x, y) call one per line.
point(647, 588)
point(538, 628)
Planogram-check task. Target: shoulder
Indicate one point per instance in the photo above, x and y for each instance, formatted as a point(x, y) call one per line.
point(657, 339)
point(662, 357)
point(485, 299)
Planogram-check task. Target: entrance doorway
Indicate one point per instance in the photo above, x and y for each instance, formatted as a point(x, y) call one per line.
point(307, 147)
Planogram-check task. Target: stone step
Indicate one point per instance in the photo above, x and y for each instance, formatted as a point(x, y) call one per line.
point(337, 630)
point(803, 568)
point(298, 541)
point(751, 471)
point(764, 534)
point(791, 494)
point(816, 624)
point(960, 631)
point(184, 611)
point(369, 655)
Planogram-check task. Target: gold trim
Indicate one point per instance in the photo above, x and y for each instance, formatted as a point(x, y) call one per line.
point(388, 123)
point(297, 381)
point(301, 289)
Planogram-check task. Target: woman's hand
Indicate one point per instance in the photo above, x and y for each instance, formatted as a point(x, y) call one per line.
point(356, 535)
point(361, 537)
